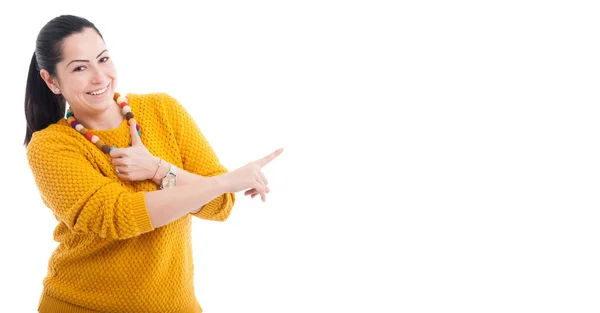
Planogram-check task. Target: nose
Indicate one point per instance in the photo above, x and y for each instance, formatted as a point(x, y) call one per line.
point(99, 77)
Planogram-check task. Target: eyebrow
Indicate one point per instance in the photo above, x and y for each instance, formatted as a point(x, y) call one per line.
point(87, 60)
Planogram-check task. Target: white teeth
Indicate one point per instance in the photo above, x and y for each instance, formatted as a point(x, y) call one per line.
point(99, 92)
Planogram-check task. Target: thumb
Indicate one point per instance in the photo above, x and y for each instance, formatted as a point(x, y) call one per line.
point(135, 135)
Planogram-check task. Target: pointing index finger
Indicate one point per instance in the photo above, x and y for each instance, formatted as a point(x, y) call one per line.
point(265, 160)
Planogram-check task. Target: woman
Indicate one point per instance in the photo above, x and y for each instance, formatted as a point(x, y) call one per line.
point(123, 194)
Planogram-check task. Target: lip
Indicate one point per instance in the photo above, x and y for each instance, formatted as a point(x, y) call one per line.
point(102, 94)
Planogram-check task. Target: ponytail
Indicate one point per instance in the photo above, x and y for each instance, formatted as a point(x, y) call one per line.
point(42, 106)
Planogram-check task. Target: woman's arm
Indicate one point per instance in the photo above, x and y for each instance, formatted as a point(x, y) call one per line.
point(184, 178)
point(87, 201)
point(165, 206)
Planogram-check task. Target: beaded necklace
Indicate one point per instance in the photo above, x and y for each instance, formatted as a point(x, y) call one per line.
point(125, 110)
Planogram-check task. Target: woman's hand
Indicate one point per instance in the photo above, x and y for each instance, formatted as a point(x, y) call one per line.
point(136, 162)
point(253, 192)
point(250, 177)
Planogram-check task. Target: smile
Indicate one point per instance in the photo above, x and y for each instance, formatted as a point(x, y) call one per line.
point(99, 92)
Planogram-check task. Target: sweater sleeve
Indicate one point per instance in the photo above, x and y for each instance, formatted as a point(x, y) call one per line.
point(79, 195)
point(199, 158)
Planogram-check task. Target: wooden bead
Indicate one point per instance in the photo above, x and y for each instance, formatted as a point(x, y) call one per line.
point(105, 149)
point(129, 115)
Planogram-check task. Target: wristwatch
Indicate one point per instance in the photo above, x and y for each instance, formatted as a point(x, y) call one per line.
point(170, 179)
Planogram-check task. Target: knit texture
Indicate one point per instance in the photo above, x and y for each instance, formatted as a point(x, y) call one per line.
point(110, 258)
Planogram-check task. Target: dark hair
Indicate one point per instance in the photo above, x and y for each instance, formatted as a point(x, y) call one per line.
point(42, 106)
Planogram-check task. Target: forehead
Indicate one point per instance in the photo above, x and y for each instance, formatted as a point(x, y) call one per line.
point(84, 45)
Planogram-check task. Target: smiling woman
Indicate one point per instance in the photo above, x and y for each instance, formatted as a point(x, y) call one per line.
point(123, 195)
point(88, 79)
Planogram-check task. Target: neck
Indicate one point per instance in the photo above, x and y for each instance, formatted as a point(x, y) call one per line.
point(110, 118)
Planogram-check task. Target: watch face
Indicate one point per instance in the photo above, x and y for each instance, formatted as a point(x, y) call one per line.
point(168, 182)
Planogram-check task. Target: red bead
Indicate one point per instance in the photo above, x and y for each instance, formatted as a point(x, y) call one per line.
point(89, 136)
point(122, 105)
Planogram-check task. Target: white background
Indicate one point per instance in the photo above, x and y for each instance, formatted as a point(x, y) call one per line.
point(440, 156)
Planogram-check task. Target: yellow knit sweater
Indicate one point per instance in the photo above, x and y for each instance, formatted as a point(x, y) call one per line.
point(109, 257)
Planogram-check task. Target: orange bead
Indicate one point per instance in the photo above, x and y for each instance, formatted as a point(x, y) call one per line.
point(116, 96)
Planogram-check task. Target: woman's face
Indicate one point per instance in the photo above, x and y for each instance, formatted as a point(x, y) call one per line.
point(86, 75)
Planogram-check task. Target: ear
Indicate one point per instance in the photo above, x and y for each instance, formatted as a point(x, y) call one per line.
point(50, 82)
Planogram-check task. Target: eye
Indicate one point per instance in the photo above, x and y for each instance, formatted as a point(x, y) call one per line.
point(78, 69)
point(105, 59)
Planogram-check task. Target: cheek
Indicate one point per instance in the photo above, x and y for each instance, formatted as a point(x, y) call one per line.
point(72, 83)
point(80, 83)
point(111, 70)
